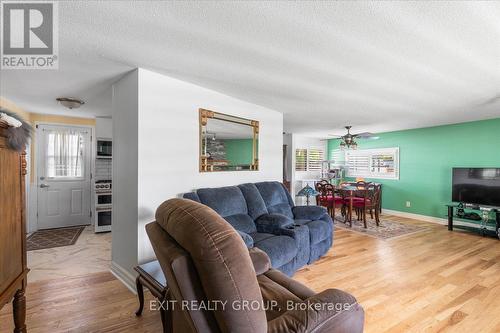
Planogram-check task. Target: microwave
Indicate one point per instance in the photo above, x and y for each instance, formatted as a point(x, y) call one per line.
point(104, 148)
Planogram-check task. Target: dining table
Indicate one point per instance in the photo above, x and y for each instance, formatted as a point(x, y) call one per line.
point(350, 191)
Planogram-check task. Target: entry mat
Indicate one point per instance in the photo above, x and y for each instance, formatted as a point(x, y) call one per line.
point(49, 238)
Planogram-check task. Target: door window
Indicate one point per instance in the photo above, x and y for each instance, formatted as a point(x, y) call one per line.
point(65, 157)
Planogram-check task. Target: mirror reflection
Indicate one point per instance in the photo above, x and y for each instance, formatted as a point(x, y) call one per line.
point(227, 143)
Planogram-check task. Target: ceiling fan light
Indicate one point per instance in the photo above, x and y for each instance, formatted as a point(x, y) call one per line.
point(354, 145)
point(70, 103)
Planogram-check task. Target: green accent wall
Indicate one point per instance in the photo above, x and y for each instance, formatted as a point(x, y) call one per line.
point(238, 151)
point(427, 156)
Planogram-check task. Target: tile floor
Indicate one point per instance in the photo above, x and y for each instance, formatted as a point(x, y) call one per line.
point(90, 254)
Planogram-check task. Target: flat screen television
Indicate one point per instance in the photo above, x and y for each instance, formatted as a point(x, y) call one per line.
point(477, 186)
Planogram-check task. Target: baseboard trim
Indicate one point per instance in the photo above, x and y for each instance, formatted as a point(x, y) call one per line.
point(425, 218)
point(124, 276)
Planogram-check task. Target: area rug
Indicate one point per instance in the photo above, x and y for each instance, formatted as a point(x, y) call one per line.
point(387, 229)
point(46, 239)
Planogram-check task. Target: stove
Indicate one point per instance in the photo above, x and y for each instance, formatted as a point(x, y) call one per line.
point(103, 205)
point(103, 185)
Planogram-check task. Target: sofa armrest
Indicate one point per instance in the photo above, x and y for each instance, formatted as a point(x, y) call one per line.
point(300, 233)
point(271, 223)
point(246, 238)
point(309, 212)
point(192, 196)
point(329, 311)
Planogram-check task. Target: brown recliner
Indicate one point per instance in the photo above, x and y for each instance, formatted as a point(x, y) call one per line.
point(218, 285)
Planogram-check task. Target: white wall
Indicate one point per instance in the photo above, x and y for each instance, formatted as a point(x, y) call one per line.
point(167, 153)
point(124, 217)
point(103, 128)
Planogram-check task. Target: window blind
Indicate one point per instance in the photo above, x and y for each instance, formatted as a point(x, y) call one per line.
point(337, 155)
point(300, 159)
point(373, 163)
point(315, 159)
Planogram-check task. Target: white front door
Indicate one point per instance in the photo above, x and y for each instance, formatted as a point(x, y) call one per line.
point(63, 176)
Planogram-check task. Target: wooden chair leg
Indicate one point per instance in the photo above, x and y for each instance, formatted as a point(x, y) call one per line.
point(364, 217)
point(371, 213)
point(377, 217)
point(140, 295)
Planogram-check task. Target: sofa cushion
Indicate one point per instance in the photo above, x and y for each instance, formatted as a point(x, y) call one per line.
point(280, 249)
point(275, 197)
point(258, 236)
point(241, 222)
point(226, 200)
point(309, 212)
point(255, 203)
point(246, 238)
point(319, 230)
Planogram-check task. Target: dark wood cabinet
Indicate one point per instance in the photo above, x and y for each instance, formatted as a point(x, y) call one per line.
point(13, 268)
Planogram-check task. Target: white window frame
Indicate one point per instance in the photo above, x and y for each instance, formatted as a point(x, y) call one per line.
point(295, 160)
point(309, 167)
point(368, 172)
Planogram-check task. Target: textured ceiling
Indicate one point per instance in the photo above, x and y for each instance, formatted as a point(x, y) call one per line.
point(375, 65)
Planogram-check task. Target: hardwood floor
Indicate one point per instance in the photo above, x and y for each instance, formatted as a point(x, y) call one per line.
point(96, 302)
point(431, 281)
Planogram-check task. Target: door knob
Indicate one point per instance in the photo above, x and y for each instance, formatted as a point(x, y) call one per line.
point(44, 185)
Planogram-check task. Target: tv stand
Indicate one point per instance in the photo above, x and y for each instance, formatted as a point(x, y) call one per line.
point(484, 227)
point(469, 206)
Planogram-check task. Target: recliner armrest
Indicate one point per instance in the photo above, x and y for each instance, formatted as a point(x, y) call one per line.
point(309, 212)
point(260, 260)
point(271, 223)
point(332, 310)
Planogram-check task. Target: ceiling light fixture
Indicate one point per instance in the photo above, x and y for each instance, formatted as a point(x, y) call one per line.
point(348, 140)
point(70, 103)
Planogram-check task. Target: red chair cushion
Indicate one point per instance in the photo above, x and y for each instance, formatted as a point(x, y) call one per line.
point(330, 199)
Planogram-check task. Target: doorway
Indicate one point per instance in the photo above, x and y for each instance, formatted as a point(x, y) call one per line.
point(63, 176)
point(64, 243)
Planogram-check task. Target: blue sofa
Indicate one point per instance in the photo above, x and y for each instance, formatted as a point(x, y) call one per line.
point(265, 216)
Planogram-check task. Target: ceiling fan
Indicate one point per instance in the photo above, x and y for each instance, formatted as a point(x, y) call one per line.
point(349, 139)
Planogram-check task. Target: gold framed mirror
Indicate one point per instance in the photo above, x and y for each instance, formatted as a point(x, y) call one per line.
point(228, 143)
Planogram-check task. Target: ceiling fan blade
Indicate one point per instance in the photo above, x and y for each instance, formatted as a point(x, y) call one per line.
point(364, 135)
point(334, 136)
